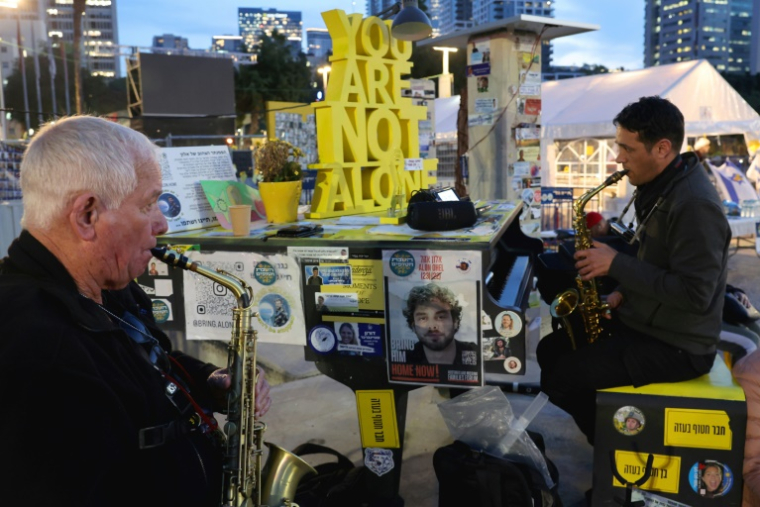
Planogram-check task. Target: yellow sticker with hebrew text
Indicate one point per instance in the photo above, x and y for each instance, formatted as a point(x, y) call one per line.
point(666, 471)
point(700, 429)
point(377, 418)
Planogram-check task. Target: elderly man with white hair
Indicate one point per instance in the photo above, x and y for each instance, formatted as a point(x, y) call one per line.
point(97, 408)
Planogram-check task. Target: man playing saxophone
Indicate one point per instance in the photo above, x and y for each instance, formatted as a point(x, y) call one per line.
point(97, 408)
point(666, 312)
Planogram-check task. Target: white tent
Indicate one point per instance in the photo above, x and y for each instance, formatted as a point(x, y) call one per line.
point(583, 108)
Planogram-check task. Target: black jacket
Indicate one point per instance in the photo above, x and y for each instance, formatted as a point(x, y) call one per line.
point(673, 290)
point(75, 390)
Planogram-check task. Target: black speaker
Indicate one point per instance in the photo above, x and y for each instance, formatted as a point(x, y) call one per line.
point(441, 215)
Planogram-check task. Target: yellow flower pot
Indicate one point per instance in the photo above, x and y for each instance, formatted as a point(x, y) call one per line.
point(281, 200)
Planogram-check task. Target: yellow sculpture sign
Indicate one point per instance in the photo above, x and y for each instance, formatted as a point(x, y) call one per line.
point(367, 133)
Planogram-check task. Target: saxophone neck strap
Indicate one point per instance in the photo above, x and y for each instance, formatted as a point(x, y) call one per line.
point(192, 417)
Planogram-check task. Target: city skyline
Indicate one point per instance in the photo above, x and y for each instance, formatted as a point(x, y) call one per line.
point(619, 42)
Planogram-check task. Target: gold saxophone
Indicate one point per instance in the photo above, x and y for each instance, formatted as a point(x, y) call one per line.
point(586, 298)
point(242, 472)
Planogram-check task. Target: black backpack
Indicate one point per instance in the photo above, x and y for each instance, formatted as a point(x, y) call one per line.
point(474, 478)
point(337, 484)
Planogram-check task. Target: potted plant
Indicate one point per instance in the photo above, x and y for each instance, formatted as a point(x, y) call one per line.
point(279, 172)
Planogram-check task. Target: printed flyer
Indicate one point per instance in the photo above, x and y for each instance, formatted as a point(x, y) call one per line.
point(276, 284)
point(433, 317)
point(182, 201)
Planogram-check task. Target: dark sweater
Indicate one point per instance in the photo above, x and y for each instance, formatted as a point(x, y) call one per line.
point(75, 390)
point(673, 289)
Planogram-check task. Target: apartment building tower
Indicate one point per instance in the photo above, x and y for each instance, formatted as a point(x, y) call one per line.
point(719, 31)
point(254, 23)
point(100, 33)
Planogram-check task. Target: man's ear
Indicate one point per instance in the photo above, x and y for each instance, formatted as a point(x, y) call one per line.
point(84, 214)
point(663, 148)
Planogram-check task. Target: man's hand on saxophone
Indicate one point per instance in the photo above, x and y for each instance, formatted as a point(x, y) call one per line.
point(594, 262)
point(220, 382)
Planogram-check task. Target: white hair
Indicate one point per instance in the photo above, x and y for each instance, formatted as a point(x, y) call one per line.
point(77, 154)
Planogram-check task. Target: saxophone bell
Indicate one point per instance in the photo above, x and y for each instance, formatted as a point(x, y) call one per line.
point(562, 307)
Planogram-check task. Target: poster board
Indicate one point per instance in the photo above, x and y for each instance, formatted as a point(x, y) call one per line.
point(183, 201)
point(433, 304)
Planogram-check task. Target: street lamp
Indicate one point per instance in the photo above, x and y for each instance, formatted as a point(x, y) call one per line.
point(324, 71)
point(446, 80)
point(409, 23)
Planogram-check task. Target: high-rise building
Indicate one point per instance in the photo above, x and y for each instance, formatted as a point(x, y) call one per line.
point(375, 7)
point(484, 11)
point(29, 18)
point(453, 15)
point(719, 31)
point(254, 22)
point(169, 41)
point(100, 34)
point(227, 43)
point(319, 45)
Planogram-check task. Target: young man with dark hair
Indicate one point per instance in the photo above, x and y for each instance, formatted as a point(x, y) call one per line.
point(434, 314)
point(666, 311)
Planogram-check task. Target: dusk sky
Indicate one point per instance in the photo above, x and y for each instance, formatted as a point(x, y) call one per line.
point(618, 42)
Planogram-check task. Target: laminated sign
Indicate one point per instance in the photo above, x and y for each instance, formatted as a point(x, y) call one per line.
point(433, 301)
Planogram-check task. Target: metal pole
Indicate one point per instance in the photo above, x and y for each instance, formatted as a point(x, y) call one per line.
point(23, 71)
point(65, 76)
point(51, 69)
point(40, 118)
point(3, 121)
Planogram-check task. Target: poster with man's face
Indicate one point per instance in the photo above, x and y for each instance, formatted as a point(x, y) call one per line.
point(433, 317)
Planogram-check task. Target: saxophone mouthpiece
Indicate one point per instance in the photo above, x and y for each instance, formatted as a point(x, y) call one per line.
point(615, 177)
point(172, 258)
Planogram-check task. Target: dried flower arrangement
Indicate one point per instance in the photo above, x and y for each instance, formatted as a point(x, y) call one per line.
point(278, 161)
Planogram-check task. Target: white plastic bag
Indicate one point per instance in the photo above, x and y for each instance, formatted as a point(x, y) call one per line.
point(483, 419)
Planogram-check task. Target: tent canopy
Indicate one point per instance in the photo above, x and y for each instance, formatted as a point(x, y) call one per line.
point(585, 107)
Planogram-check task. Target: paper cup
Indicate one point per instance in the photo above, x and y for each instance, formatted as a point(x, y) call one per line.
point(240, 216)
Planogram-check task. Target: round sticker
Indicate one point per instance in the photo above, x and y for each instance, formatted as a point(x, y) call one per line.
point(402, 263)
point(629, 420)
point(512, 364)
point(169, 205)
point(264, 273)
point(160, 311)
point(322, 339)
point(710, 478)
point(274, 310)
point(508, 324)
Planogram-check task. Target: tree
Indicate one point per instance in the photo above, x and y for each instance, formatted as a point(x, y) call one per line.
point(277, 75)
point(79, 6)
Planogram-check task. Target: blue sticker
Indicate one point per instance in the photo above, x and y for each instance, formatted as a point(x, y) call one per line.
point(322, 339)
point(402, 263)
point(264, 273)
point(160, 311)
point(274, 310)
point(169, 205)
point(710, 479)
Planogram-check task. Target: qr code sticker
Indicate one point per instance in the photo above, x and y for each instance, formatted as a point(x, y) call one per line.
point(211, 297)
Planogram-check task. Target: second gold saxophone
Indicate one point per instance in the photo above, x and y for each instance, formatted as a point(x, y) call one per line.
point(242, 484)
point(586, 299)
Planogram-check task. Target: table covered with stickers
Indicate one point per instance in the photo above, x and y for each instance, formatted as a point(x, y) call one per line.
point(693, 431)
point(348, 296)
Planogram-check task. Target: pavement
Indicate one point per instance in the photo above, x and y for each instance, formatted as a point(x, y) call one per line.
point(309, 406)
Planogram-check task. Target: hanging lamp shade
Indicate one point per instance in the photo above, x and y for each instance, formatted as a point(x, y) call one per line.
point(411, 24)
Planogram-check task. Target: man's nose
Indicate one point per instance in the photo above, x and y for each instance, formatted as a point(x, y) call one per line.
point(160, 226)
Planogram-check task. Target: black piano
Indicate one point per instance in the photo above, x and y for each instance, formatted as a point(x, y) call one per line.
point(508, 281)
